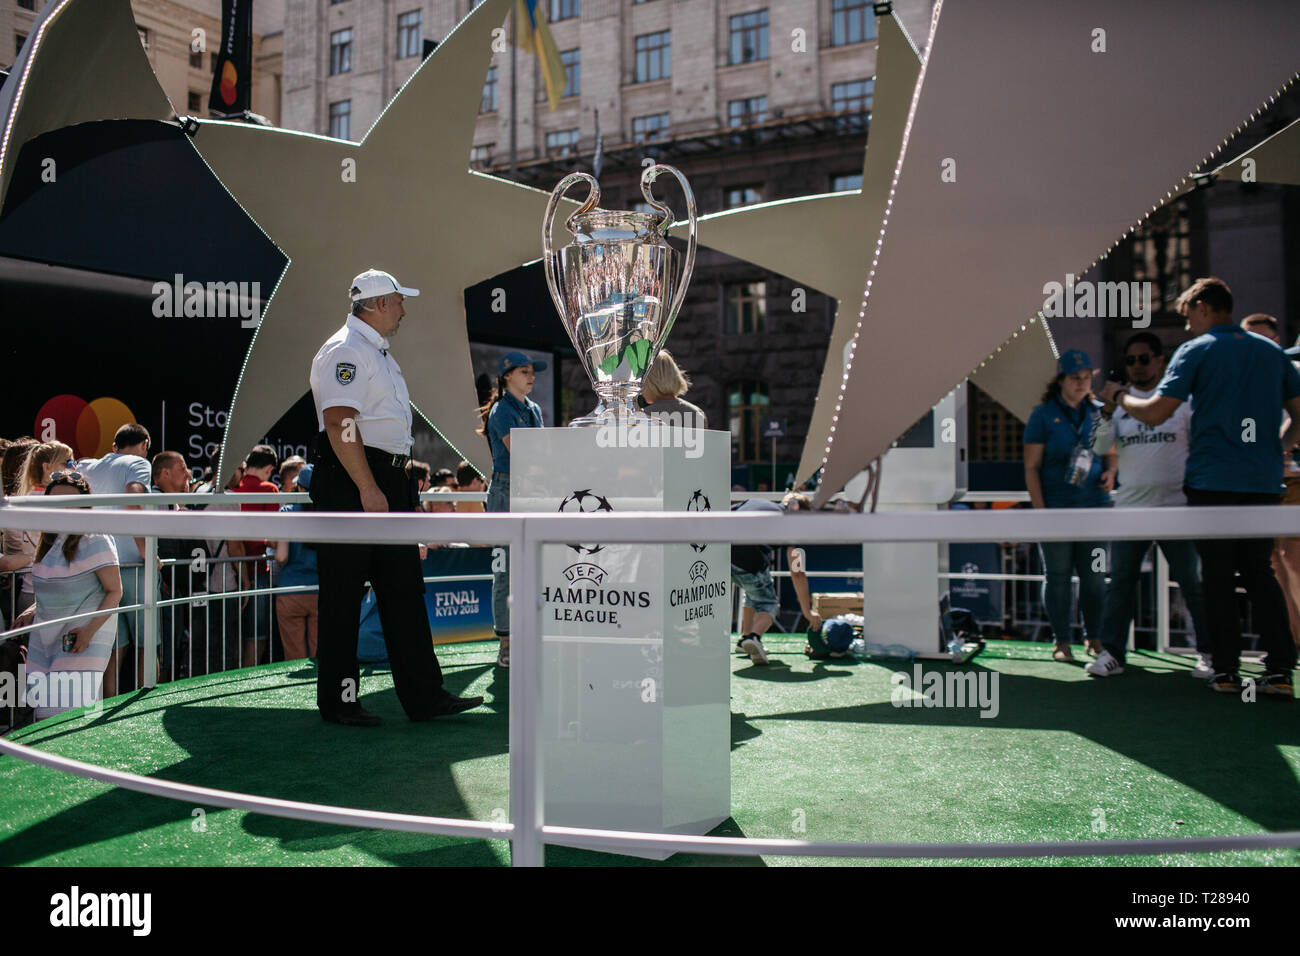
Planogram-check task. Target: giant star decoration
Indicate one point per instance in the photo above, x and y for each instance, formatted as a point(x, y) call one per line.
point(414, 209)
point(820, 241)
point(1041, 182)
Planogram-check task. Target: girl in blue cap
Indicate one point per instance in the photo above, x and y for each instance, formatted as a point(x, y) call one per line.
point(1062, 472)
point(510, 408)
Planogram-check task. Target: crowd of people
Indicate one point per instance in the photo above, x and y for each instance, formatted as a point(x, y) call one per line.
point(1216, 424)
point(54, 576)
point(1210, 425)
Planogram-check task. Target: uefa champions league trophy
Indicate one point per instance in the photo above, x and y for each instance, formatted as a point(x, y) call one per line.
point(618, 288)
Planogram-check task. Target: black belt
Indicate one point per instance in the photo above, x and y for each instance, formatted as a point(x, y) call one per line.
point(377, 456)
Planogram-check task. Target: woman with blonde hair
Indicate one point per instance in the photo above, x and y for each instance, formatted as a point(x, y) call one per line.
point(662, 391)
point(42, 461)
point(20, 546)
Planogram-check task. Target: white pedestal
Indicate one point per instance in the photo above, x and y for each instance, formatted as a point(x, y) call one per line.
point(635, 638)
point(900, 592)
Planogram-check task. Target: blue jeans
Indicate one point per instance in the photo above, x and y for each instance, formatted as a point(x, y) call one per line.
point(1060, 558)
point(1121, 593)
point(498, 499)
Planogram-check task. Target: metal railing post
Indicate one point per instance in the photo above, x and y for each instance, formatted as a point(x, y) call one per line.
point(150, 612)
point(526, 800)
point(1162, 600)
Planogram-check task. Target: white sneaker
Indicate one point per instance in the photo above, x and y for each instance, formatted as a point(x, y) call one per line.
point(1104, 666)
point(1204, 668)
point(754, 648)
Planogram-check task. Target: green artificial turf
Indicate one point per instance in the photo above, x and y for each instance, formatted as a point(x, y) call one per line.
point(819, 752)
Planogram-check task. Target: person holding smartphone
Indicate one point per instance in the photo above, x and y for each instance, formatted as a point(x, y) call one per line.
point(72, 574)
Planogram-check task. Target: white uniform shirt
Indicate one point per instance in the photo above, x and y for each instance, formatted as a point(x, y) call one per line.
point(354, 369)
point(1152, 459)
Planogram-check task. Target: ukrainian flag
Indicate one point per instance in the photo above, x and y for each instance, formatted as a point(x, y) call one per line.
point(533, 34)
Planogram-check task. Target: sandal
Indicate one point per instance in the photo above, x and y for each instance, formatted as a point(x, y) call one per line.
point(503, 653)
point(1063, 653)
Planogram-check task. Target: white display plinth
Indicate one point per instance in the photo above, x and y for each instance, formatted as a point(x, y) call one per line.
point(636, 649)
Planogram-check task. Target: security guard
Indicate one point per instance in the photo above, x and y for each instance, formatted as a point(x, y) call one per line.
point(361, 464)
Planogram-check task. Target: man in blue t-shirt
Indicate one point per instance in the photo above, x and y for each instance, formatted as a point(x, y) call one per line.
point(1241, 382)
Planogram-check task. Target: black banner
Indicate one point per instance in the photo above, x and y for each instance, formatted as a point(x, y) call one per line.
point(232, 78)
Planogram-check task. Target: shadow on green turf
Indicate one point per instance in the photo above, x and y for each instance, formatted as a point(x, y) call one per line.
point(1218, 745)
point(288, 753)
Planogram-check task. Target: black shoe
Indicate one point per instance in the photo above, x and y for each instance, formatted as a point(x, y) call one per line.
point(446, 704)
point(352, 718)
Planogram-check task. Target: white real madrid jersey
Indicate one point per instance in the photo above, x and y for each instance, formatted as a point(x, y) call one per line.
point(354, 369)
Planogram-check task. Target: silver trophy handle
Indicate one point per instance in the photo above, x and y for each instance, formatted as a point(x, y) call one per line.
point(688, 265)
point(548, 222)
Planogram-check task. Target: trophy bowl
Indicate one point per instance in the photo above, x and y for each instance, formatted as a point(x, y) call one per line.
point(617, 287)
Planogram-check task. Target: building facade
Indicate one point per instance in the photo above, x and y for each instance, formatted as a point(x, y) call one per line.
point(167, 31)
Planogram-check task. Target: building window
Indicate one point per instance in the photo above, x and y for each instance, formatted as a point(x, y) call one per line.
point(19, 40)
point(852, 21)
point(341, 119)
point(409, 34)
point(341, 51)
point(572, 60)
point(745, 311)
point(1161, 250)
point(749, 37)
point(648, 128)
point(653, 56)
point(746, 111)
point(748, 403)
point(26, 4)
point(853, 98)
point(196, 59)
point(855, 95)
point(144, 36)
point(743, 195)
point(333, 2)
point(562, 142)
point(480, 157)
point(846, 181)
point(193, 101)
point(565, 9)
point(489, 101)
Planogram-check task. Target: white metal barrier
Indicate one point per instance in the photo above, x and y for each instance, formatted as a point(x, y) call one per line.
point(527, 533)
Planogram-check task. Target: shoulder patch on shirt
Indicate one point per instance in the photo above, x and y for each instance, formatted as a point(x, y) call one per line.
point(345, 373)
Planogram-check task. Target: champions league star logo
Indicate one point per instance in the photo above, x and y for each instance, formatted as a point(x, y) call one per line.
point(699, 502)
point(585, 502)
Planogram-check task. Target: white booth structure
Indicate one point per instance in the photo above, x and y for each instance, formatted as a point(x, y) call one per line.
point(925, 469)
point(635, 638)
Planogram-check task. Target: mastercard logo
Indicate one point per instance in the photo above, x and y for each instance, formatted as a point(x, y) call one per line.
point(88, 427)
point(229, 79)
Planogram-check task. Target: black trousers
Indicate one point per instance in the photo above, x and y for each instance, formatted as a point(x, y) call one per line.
point(393, 571)
point(1221, 559)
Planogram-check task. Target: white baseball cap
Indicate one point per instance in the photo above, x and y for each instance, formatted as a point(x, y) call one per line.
point(373, 282)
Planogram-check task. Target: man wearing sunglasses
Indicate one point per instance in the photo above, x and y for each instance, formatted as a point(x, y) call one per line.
point(1152, 463)
point(1239, 384)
